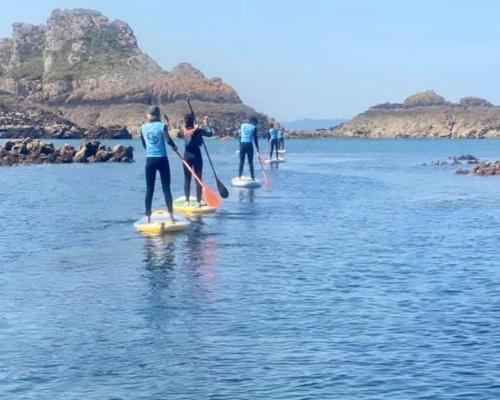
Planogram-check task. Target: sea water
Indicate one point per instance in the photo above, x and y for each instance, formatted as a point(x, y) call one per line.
point(361, 274)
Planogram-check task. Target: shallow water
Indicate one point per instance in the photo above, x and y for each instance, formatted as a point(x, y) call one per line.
point(360, 275)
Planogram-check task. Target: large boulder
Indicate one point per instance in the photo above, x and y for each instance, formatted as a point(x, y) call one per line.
point(425, 99)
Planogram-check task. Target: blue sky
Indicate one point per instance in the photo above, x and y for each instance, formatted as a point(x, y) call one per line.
point(312, 58)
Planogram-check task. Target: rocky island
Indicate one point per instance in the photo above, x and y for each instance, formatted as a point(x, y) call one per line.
point(423, 115)
point(81, 75)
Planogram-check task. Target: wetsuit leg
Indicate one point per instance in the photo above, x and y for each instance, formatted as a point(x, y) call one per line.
point(242, 158)
point(151, 167)
point(250, 159)
point(164, 169)
point(187, 176)
point(274, 146)
point(198, 169)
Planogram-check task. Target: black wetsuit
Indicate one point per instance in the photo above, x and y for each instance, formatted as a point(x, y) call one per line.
point(274, 146)
point(192, 155)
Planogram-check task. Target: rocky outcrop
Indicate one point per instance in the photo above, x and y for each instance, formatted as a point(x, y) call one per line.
point(482, 168)
point(425, 115)
point(92, 69)
point(487, 168)
point(22, 118)
point(29, 151)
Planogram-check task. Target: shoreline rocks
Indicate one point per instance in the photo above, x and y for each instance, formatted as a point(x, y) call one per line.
point(29, 151)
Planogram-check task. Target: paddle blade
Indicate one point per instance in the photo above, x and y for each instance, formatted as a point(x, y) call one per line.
point(222, 190)
point(211, 197)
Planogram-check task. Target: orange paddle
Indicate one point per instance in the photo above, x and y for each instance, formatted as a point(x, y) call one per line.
point(210, 196)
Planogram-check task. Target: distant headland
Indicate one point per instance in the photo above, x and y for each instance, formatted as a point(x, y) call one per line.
point(422, 115)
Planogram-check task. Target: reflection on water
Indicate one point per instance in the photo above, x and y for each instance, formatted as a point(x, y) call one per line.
point(195, 251)
point(246, 195)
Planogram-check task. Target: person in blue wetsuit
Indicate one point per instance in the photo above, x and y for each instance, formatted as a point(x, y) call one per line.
point(273, 141)
point(193, 140)
point(154, 135)
point(281, 138)
point(248, 137)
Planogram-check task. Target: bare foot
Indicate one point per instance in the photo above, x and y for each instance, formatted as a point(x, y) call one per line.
point(172, 219)
point(148, 219)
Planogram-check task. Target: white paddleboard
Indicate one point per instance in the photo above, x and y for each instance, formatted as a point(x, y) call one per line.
point(274, 160)
point(246, 182)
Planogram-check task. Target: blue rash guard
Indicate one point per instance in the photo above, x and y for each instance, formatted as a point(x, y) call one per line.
point(154, 139)
point(247, 133)
point(273, 134)
point(281, 134)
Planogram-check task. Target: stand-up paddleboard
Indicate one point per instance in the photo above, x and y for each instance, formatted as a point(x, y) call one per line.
point(282, 151)
point(274, 160)
point(192, 208)
point(160, 223)
point(246, 182)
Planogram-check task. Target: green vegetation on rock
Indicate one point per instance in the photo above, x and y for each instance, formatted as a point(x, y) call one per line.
point(31, 69)
point(102, 53)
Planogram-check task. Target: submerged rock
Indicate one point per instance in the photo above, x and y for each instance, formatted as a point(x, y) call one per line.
point(27, 151)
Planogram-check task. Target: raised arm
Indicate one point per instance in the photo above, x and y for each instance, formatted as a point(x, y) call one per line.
point(168, 139)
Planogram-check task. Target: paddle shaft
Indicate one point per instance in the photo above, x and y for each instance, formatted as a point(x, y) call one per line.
point(197, 179)
point(267, 183)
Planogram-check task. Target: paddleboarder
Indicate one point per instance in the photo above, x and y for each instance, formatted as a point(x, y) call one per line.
point(193, 140)
point(281, 137)
point(248, 137)
point(273, 141)
point(154, 135)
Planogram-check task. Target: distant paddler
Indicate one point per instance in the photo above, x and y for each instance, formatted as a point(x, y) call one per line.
point(281, 137)
point(193, 139)
point(248, 137)
point(273, 141)
point(154, 135)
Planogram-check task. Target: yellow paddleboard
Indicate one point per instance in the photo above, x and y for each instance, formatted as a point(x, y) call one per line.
point(182, 207)
point(160, 223)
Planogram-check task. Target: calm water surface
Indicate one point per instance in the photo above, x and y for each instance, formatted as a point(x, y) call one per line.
point(360, 275)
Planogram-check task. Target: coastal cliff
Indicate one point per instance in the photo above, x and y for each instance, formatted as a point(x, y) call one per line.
point(91, 71)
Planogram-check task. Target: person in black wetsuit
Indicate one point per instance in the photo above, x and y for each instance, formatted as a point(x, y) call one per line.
point(248, 137)
point(193, 140)
point(154, 135)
